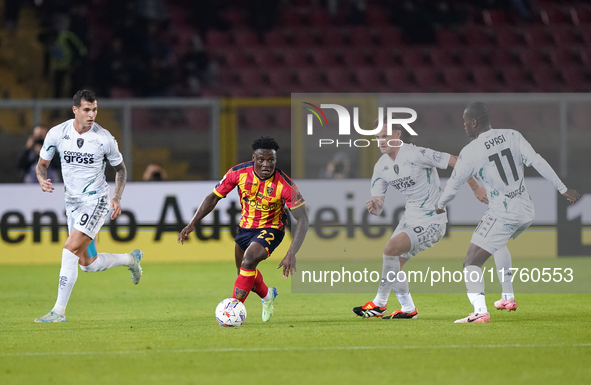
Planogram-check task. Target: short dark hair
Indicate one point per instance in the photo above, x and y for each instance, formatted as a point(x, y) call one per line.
point(265, 143)
point(87, 95)
point(478, 111)
point(405, 136)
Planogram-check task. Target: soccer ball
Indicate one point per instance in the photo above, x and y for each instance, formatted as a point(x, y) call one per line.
point(230, 313)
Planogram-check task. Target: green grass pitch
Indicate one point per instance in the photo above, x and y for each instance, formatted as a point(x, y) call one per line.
point(163, 331)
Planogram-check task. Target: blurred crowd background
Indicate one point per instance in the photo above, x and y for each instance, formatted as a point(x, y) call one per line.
point(265, 50)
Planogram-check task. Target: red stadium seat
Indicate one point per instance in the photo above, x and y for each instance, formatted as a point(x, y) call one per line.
point(412, 57)
point(361, 37)
point(516, 79)
point(398, 79)
point(553, 15)
point(457, 79)
point(245, 38)
point(537, 36)
point(494, 18)
point(295, 59)
point(310, 78)
point(507, 37)
point(427, 78)
point(339, 79)
point(477, 36)
point(576, 78)
point(237, 58)
point(564, 35)
point(354, 58)
point(441, 57)
point(448, 38)
point(332, 37)
point(388, 36)
point(383, 58)
point(486, 79)
point(501, 58)
point(254, 118)
point(281, 77)
point(216, 39)
point(580, 14)
point(530, 58)
point(369, 78)
point(304, 37)
point(282, 117)
point(563, 57)
point(377, 16)
point(275, 38)
point(545, 77)
point(318, 17)
point(251, 77)
point(470, 57)
point(265, 58)
point(291, 17)
point(324, 58)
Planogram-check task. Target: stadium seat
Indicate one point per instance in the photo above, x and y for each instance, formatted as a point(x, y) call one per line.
point(291, 17)
point(234, 17)
point(245, 38)
point(585, 31)
point(265, 58)
point(507, 37)
point(251, 77)
point(427, 79)
point(551, 15)
point(563, 56)
point(537, 37)
point(476, 36)
point(516, 79)
point(580, 14)
point(282, 117)
point(575, 78)
point(383, 58)
point(470, 57)
point(565, 35)
point(388, 36)
point(237, 58)
point(361, 37)
point(486, 79)
point(339, 79)
point(398, 79)
point(295, 59)
point(494, 18)
point(304, 37)
point(369, 78)
point(456, 79)
point(441, 57)
point(448, 38)
point(310, 78)
point(275, 38)
point(354, 58)
point(216, 39)
point(545, 77)
point(412, 57)
point(376, 16)
point(332, 37)
point(281, 77)
point(324, 58)
point(318, 17)
point(530, 58)
point(500, 57)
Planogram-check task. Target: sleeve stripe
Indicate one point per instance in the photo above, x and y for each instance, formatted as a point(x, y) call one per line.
point(295, 207)
point(218, 194)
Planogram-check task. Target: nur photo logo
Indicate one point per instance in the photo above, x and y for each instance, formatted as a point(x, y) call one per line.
point(345, 122)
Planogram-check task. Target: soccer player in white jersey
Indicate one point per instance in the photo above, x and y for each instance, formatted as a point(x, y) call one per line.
point(412, 171)
point(84, 147)
point(497, 157)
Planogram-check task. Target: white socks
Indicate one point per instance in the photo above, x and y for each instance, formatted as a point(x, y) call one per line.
point(104, 261)
point(475, 288)
point(503, 264)
point(67, 279)
point(390, 267)
point(390, 276)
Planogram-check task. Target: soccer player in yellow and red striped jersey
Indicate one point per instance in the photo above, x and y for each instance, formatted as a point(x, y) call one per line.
point(265, 192)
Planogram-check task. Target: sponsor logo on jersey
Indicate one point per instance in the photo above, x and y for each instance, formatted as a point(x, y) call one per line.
point(78, 157)
point(66, 137)
point(403, 183)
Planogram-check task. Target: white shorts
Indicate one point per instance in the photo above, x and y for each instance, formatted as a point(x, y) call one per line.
point(89, 216)
point(422, 234)
point(493, 232)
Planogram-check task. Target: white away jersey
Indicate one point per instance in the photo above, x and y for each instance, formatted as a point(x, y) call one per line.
point(413, 173)
point(496, 157)
point(83, 158)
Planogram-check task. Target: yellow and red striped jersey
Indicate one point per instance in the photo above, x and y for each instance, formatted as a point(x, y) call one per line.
point(262, 200)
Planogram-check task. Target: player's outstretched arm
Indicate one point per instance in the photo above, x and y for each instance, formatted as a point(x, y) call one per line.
point(572, 195)
point(375, 206)
point(41, 171)
point(120, 180)
point(205, 208)
point(301, 229)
